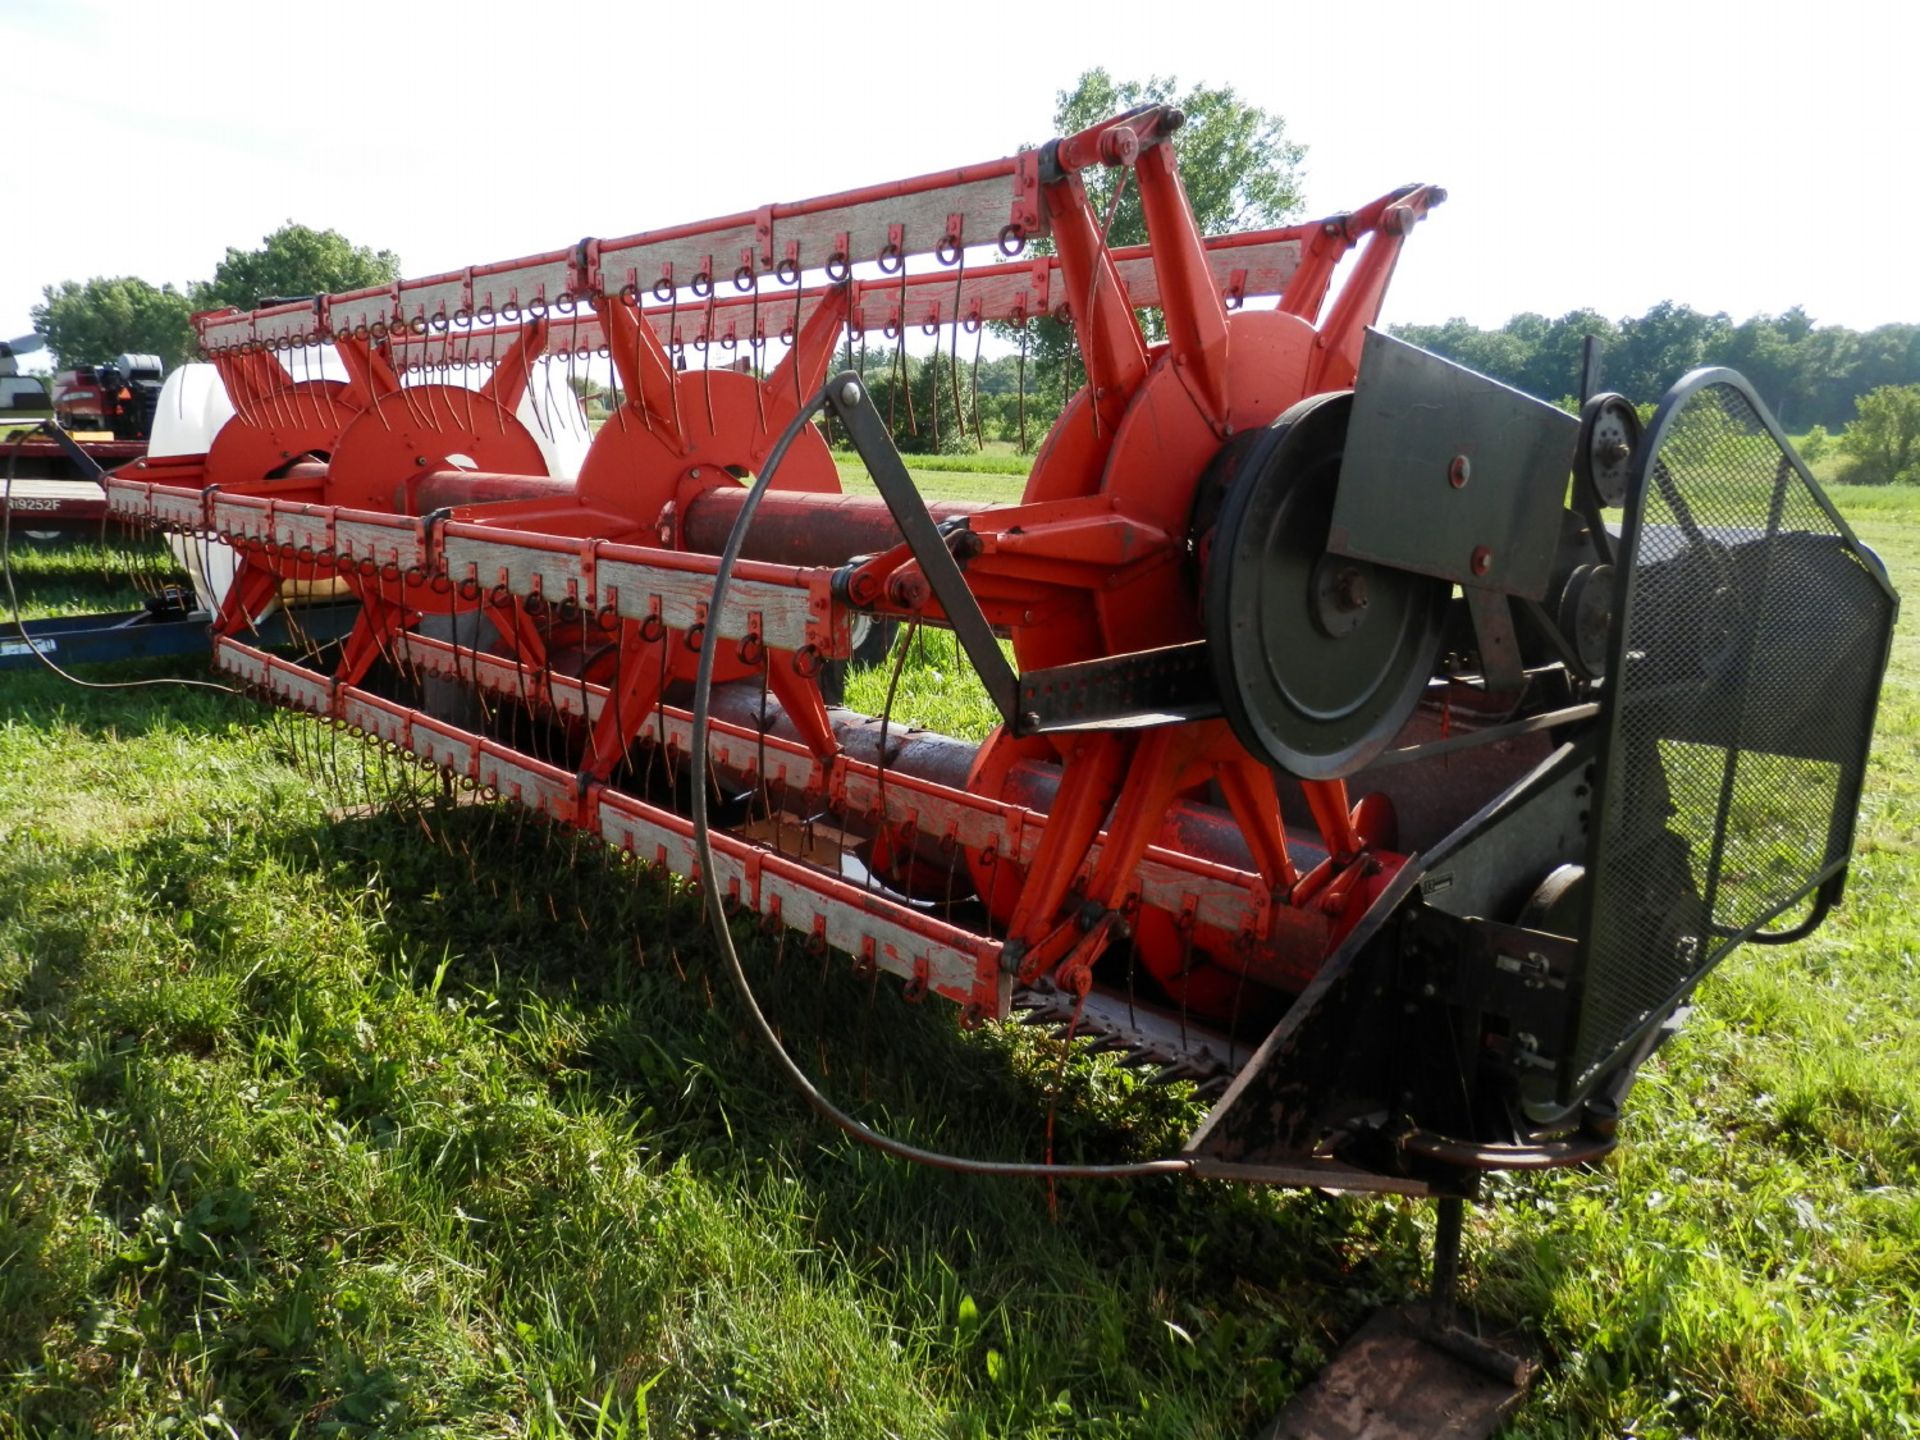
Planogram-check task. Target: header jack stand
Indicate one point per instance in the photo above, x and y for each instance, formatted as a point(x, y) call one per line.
point(1423, 1371)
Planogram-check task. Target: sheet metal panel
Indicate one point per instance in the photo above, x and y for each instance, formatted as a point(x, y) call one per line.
point(1418, 416)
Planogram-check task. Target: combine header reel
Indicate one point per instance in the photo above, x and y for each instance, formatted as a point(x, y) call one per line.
point(1383, 750)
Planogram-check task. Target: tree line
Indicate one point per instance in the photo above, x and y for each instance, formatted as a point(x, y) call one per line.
point(1808, 374)
point(1811, 376)
point(88, 322)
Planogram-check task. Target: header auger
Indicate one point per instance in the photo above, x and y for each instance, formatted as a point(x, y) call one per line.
point(1377, 747)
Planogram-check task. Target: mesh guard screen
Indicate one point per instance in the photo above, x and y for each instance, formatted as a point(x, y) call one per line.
point(1743, 689)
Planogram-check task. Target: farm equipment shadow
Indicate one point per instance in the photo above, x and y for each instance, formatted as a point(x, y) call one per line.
point(606, 976)
point(599, 977)
point(532, 920)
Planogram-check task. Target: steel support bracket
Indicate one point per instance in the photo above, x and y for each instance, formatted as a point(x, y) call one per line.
point(1122, 692)
point(852, 406)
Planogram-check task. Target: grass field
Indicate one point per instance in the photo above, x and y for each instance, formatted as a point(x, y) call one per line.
point(433, 1121)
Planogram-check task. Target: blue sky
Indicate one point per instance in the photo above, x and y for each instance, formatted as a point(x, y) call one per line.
point(1738, 158)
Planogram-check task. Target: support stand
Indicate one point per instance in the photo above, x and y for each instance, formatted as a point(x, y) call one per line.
point(1416, 1372)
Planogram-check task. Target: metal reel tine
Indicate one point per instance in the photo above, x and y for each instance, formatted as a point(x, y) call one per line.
point(953, 351)
point(886, 721)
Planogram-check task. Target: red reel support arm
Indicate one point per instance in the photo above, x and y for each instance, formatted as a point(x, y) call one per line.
point(1390, 219)
point(370, 372)
point(644, 368)
point(1114, 350)
point(1196, 317)
point(510, 378)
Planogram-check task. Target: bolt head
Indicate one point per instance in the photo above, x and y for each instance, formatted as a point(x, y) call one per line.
point(1459, 472)
point(850, 393)
point(1482, 559)
point(909, 592)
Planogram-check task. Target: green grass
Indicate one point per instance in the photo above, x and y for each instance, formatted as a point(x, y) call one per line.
point(438, 1121)
point(64, 578)
point(999, 458)
point(946, 484)
point(997, 474)
point(332, 1128)
point(937, 688)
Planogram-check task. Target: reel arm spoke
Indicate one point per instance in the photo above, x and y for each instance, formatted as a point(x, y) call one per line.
point(1196, 317)
point(645, 370)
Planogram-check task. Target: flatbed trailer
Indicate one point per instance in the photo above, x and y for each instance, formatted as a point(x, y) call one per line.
point(46, 488)
point(166, 625)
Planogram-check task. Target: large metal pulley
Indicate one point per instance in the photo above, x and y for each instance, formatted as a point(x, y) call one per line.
point(1318, 658)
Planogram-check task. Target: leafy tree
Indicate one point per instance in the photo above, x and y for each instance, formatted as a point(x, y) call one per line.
point(1237, 163)
point(1886, 355)
point(1491, 352)
point(1239, 168)
point(1556, 364)
point(89, 323)
point(1882, 444)
point(1767, 350)
point(1657, 348)
point(999, 375)
point(295, 260)
point(918, 395)
point(1530, 352)
point(1807, 374)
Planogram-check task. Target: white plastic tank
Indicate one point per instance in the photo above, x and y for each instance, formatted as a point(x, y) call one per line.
point(193, 406)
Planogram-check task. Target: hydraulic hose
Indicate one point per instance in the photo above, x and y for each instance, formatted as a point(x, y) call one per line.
point(723, 932)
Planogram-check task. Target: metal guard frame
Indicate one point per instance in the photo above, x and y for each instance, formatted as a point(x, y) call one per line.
point(1585, 1065)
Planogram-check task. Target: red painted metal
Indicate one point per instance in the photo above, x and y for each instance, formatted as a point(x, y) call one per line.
point(426, 497)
